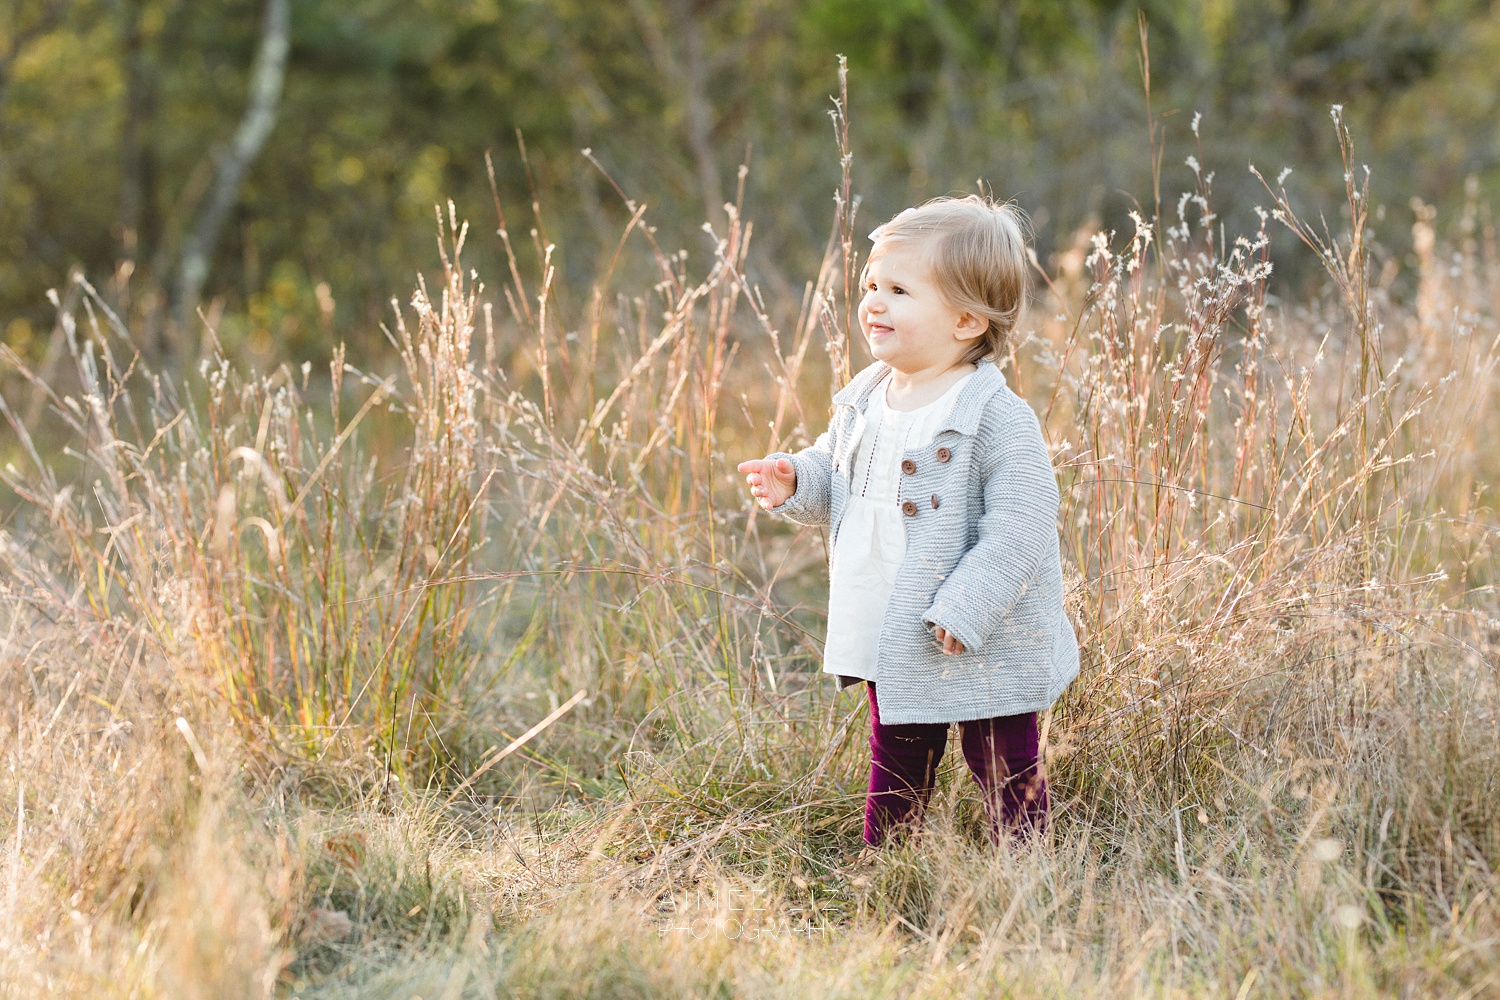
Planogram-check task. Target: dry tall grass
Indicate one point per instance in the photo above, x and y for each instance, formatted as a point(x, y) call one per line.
point(267, 658)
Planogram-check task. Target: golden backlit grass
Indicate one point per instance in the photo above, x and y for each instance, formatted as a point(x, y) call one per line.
point(269, 639)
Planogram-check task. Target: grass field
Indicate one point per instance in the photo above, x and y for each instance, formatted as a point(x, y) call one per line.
point(273, 644)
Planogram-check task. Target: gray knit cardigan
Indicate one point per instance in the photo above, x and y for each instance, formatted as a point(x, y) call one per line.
point(981, 560)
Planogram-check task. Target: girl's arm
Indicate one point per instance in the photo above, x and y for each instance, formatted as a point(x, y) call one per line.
point(1017, 530)
point(809, 504)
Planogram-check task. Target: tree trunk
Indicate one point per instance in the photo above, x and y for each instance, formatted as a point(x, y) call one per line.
point(260, 115)
point(134, 132)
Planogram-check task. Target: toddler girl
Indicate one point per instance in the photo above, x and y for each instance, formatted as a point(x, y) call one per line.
point(945, 583)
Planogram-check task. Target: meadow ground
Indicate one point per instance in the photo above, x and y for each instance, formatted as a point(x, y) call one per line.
point(484, 679)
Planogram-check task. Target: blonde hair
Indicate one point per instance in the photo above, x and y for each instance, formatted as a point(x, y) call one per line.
point(978, 254)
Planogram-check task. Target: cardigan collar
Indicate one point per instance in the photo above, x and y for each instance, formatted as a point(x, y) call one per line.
point(967, 408)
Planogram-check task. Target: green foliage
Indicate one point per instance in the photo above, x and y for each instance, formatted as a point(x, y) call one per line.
point(112, 116)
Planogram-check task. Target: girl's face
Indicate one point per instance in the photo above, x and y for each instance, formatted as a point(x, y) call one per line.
point(906, 320)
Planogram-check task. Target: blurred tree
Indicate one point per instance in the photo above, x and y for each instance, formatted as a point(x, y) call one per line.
point(110, 112)
point(26, 22)
point(260, 115)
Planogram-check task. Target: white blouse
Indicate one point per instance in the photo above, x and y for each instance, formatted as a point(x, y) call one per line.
point(872, 536)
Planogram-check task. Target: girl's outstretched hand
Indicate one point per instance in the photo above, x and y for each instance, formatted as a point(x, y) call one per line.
point(772, 481)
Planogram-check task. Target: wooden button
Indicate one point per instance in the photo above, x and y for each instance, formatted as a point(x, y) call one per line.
point(934, 501)
point(943, 454)
point(908, 466)
point(909, 509)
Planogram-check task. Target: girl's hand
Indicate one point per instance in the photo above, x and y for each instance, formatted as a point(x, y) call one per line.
point(772, 481)
point(945, 638)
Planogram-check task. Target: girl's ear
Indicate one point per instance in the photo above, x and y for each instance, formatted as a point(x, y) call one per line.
point(970, 326)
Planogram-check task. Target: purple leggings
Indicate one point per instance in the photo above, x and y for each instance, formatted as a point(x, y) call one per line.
point(1001, 752)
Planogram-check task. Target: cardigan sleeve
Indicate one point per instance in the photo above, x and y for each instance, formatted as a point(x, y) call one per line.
point(809, 503)
point(1016, 531)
